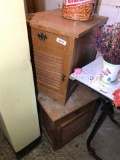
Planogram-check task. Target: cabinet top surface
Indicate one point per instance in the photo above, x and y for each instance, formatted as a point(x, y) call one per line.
point(52, 21)
point(79, 99)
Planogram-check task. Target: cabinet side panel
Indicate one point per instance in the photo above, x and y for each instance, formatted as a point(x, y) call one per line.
point(48, 127)
point(84, 52)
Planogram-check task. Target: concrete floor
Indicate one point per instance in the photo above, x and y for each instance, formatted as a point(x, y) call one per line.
point(106, 144)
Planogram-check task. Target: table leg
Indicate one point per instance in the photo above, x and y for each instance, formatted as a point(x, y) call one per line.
point(111, 115)
point(102, 117)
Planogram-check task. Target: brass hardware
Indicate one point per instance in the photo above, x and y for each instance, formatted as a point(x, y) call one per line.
point(42, 36)
point(63, 77)
point(78, 112)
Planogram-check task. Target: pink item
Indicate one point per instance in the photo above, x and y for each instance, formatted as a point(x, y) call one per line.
point(78, 70)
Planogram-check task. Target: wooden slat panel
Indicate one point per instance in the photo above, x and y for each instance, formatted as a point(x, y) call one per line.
point(48, 69)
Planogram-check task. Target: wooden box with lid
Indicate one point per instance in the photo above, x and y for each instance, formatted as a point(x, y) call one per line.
point(61, 123)
point(59, 46)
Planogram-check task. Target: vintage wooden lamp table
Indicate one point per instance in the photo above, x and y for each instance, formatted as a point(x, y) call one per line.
point(90, 77)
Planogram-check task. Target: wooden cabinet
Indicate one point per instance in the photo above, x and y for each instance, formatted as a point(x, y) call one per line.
point(32, 5)
point(51, 63)
point(62, 123)
point(59, 46)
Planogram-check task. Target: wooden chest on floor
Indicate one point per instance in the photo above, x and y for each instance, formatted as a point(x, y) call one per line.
point(62, 123)
point(59, 46)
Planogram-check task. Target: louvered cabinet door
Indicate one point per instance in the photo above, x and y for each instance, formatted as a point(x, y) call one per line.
point(48, 70)
point(78, 123)
point(51, 60)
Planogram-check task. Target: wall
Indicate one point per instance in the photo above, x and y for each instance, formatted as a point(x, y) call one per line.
point(111, 9)
point(18, 111)
point(50, 4)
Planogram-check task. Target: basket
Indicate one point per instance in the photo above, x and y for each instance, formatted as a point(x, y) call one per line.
point(80, 13)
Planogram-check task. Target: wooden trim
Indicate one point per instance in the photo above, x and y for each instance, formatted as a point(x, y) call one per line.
point(32, 6)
